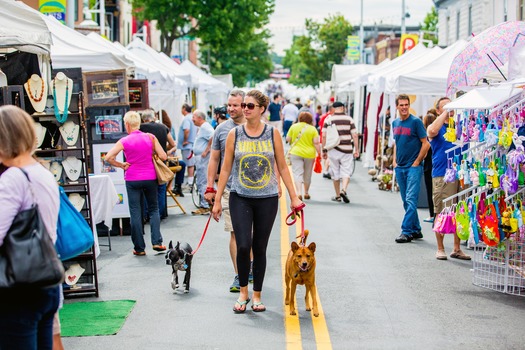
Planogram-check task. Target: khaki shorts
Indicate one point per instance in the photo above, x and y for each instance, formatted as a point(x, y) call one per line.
point(225, 201)
point(442, 190)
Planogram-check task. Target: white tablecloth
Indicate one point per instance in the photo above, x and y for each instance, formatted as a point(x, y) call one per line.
point(103, 198)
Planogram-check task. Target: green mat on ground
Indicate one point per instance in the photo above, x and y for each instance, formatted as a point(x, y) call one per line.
point(94, 318)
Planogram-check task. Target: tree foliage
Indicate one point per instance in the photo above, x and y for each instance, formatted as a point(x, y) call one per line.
point(312, 55)
point(430, 25)
point(229, 31)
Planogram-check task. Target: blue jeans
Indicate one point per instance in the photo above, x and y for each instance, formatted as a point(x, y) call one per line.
point(26, 318)
point(136, 189)
point(286, 126)
point(161, 200)
point(409, 180)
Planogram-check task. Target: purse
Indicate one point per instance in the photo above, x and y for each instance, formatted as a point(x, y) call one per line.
point(490, 230)
point(318, 168)
point(164, 174)
point(287, 155)
point(28, 257)
point(74, 236)
point(445, 222)
point(462, 221)
point(331, 136)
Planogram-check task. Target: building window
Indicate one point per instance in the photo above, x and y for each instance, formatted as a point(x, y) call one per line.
point(457, 25)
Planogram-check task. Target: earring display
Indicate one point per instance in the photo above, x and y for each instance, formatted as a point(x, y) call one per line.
point(36, 89)
point(77, 200)
point(72, 167)
point(40, 132)
point(69, 132)
point(56, 170)
point(62, 88)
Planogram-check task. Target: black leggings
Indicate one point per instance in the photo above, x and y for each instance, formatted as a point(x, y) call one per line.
point(259, 214)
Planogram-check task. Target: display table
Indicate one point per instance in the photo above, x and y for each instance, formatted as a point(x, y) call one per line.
point(103, 198)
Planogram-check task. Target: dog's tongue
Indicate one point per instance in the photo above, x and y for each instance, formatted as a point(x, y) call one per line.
point(303, 268)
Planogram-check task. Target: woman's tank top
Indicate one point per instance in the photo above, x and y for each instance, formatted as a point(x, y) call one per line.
point(253, 165)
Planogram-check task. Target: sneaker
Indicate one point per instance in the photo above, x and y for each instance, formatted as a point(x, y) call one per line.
point(142, 253)
point(441, 255)
point(235, 287)
point(201, 211)
point(327, 176)
point(336, 199)
point(344, 196)
point(159, 247)
point(429, 219)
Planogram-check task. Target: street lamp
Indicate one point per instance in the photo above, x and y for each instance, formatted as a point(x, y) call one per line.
point(361, 36)
point(404, 15)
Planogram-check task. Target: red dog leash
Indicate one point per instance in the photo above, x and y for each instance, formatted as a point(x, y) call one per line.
point(291, 219)
point(203, 235)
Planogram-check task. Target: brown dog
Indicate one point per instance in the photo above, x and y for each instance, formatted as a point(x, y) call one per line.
point(300, 269)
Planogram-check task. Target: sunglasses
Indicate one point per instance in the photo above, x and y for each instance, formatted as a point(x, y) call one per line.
point(249, 105)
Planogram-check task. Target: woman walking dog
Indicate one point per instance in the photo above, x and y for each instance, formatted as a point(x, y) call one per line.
point(253, 150)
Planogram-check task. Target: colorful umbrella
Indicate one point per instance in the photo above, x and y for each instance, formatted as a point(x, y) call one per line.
point(484, 53)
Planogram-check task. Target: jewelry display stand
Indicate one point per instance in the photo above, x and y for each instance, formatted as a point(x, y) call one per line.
point(65, 151)
point(62, 92)
point(36, 89)
point(40, 132)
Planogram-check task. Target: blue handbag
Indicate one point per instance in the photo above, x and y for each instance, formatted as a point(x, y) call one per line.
point(74, 236)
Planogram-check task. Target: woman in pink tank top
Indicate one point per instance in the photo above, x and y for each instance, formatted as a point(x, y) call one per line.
point(141, 179)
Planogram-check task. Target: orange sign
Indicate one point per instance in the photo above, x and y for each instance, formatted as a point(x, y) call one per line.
point(407, 42)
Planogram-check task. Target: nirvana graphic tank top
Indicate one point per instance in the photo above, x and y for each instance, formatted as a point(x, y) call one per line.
point(252, 172)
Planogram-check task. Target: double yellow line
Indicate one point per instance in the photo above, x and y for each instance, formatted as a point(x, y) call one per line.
point(292, 324)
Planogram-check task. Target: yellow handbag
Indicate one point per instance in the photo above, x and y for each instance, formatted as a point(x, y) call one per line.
point(450, 134)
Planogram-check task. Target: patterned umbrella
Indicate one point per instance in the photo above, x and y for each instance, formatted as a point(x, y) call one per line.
point(484, 53)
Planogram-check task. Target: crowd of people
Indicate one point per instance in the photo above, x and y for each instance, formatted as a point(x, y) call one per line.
point(237, 164)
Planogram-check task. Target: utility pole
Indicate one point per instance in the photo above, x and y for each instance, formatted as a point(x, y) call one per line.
point(361, 37)
point(403, 28)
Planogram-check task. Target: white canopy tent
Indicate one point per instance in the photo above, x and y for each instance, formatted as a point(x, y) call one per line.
point(211, 91)
point(24, 29)
point(72, 49)
point(166, 91)
point(486, 97)
point(140, 49)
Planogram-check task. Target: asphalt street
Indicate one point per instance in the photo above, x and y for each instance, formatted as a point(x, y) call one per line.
point(374, 293)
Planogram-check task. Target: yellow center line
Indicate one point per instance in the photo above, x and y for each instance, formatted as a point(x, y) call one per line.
point(292, 323)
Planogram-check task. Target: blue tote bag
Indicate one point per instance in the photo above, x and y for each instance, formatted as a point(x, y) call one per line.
point(74, 236)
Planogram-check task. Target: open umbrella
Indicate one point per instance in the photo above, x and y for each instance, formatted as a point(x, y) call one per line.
point(483, 53)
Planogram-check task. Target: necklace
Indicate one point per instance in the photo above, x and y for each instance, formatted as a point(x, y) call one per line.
point(52, 137)
point(34, 98)
point(60, 117)
point(73, 166)
point(69, 132)
point(77, 201)
point(40, 132)
point(56, 170)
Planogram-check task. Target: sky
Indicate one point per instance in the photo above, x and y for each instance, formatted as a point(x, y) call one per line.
point(289, 15)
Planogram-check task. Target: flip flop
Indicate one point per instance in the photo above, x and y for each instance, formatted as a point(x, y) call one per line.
point(241, 303)
point(256, 306)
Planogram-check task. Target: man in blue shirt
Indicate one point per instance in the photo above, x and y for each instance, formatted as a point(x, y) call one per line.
point(411, 147)
point(275, 113)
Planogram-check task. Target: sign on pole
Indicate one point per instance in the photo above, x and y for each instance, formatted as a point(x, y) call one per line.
point(407, 42)
point(352, 47)
point(55, 8)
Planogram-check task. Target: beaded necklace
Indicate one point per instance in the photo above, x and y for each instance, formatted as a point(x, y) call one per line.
point(60, 117)
point(36, 91)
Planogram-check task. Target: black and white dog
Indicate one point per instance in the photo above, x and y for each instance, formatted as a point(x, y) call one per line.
point(179, 257)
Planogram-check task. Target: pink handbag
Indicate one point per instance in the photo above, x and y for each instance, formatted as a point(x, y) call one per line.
point(446, 222)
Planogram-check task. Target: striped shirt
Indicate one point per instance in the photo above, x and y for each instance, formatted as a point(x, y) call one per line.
point(346, 128)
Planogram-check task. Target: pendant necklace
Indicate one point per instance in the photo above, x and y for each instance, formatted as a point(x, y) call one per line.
point(34, 98)
point(75, 165)
point(60, 117)
point(69, 132)
point(52, 137)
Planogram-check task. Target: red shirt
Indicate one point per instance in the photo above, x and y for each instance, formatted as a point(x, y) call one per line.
point(321, 125)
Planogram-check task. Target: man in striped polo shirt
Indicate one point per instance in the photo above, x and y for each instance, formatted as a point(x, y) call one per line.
point(342, 156)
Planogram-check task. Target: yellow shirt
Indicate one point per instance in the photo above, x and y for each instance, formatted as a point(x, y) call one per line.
point(305, 147)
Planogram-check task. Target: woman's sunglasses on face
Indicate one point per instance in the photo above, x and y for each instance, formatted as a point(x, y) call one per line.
point(249, 105)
